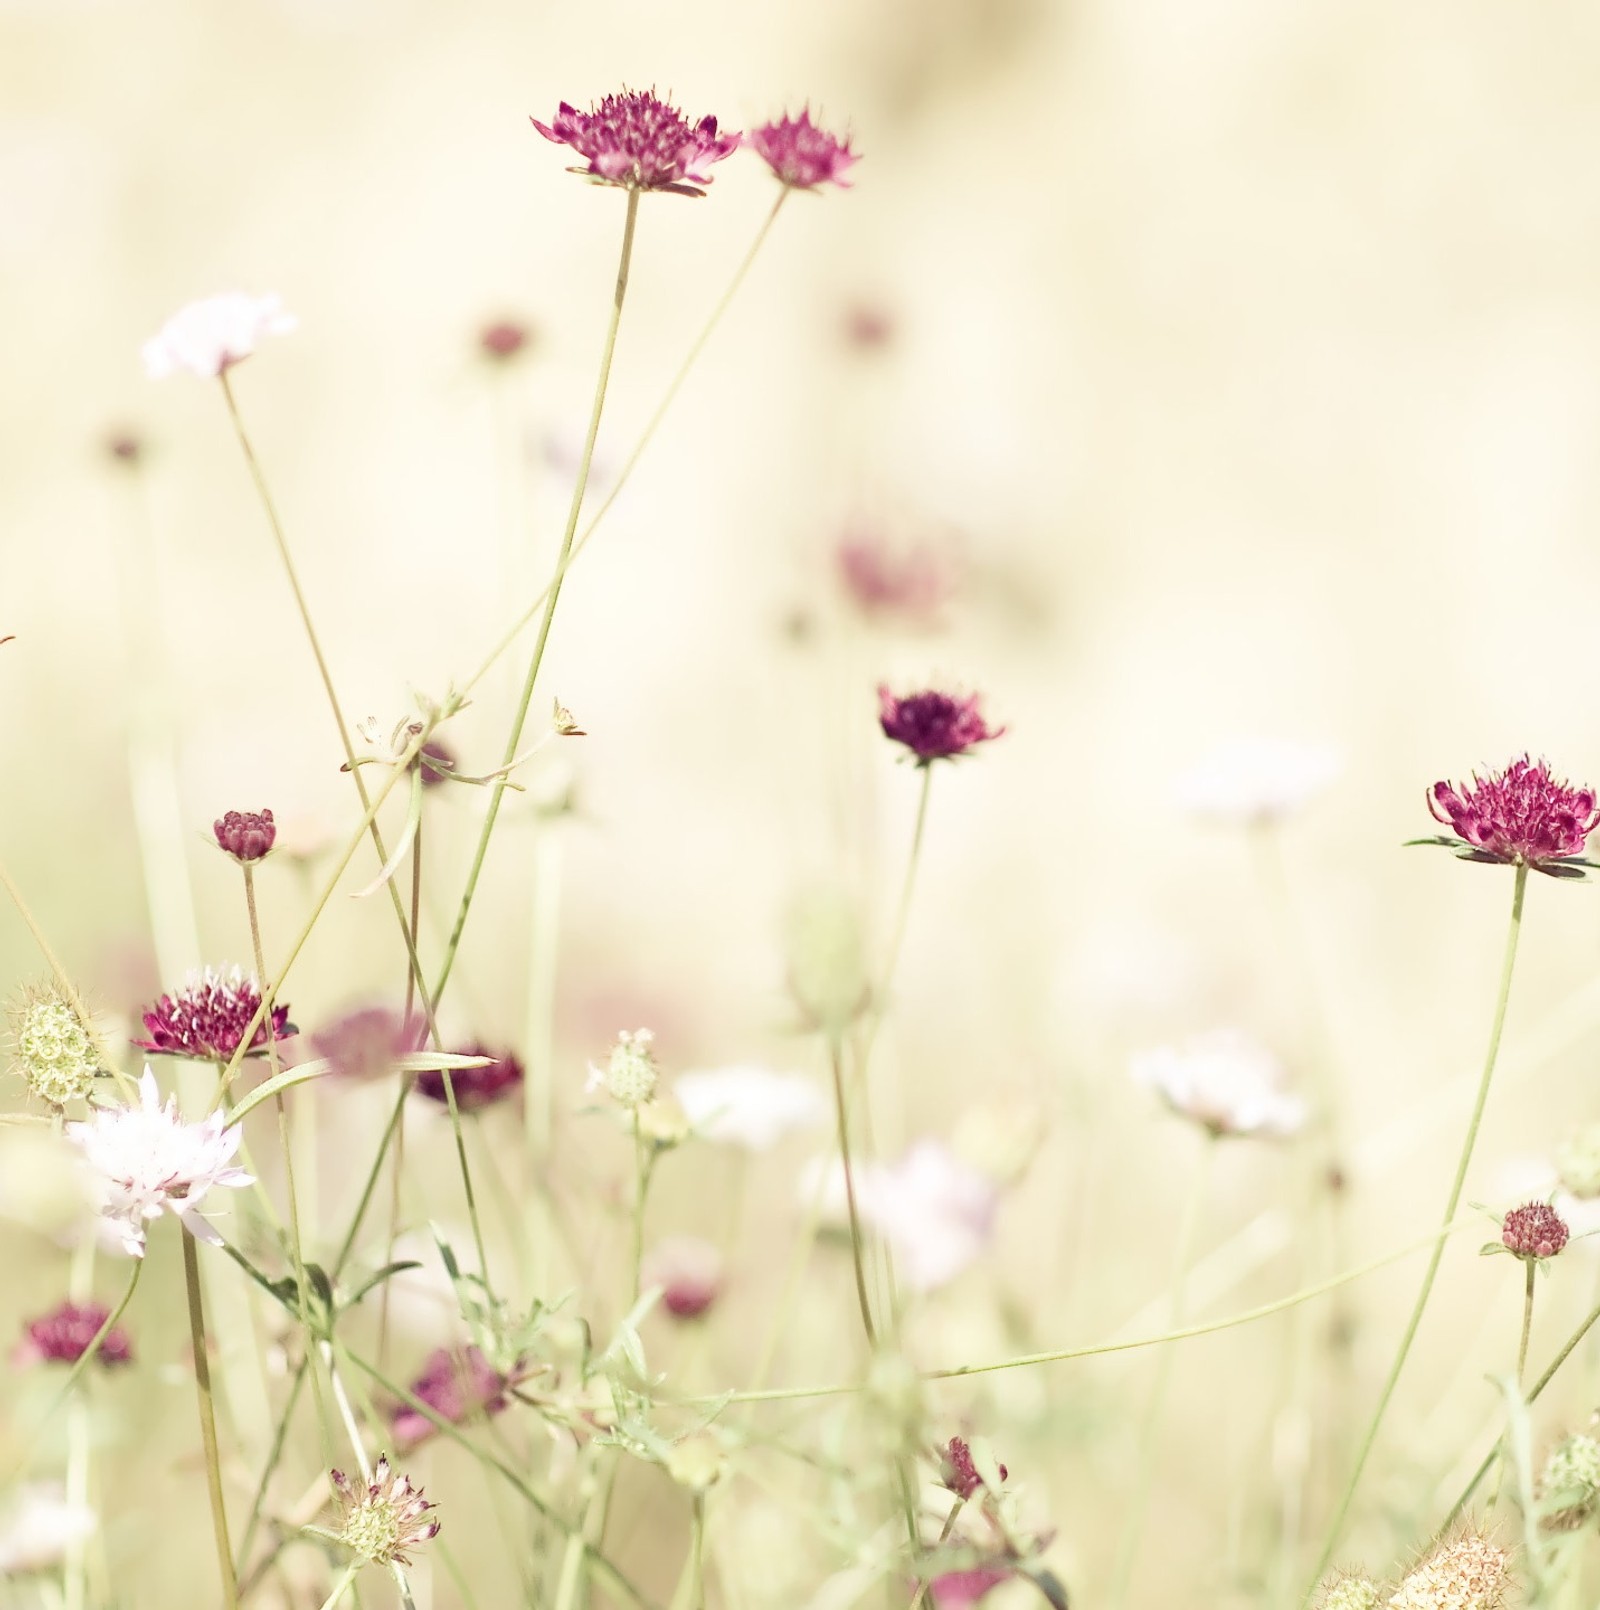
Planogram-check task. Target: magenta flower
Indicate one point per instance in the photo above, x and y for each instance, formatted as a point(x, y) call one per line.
point(455, 1385)
point(63, 1337)
point(501, 341)
point(956, 1590)
point(245, 835)
point(958, 1472)
point(933, 725)
point(1534, 1231)
point(474, 1088)
point(689, 1273)
point(207, 1018)
point(368, 1042)
point(802, 155)
point(1522, 816)
point(912, 582)
point(640, 142)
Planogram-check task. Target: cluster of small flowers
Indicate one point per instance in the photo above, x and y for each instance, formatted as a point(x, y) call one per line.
point(55, 1051)
point(1469, 1572)
point(208, 1017)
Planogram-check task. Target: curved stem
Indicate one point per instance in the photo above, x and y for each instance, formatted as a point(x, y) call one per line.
point(346, 1578)
point(1183, 1257)
point(208, 1421)
point(841, 1114)
point(514, 738)
point(1507, 966)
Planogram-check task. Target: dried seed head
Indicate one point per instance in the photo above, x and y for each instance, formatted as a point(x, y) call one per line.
point(630, 1075)
point(1534, 1231)
point(1469, 1573)
point(1569, 1486)
point(53, 1049)
point(384, 1517)
point(1350, 1593)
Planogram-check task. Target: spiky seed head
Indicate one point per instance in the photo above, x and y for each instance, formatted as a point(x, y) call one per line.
point(53, 1048)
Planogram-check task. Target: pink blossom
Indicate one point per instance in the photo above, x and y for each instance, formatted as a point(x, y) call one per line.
point(641, 142)
point(207, 1018)
point(63, 1336)
point(474, 1088)
point(689, 1272)
point(455, 1385)
point(934, 725)
point(911, 583)
point(955, 1590)
point(1523, 816)
point(802, 155)
point(210, 336)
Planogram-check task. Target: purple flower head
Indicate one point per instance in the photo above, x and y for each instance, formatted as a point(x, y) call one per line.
point(1522, 816)
point(956, 1590)
point(641, 142)
point(933, 725)
point(437, 761)
point(501, 341)
point(207, 1018)
point(474, 1087)
point(1534, 1231)
point(245, 835)
point(957, 1470)
point(63, 1337)
point(802, 155)
point(455, 1385)
point(689, 1273)
point(366, 1043)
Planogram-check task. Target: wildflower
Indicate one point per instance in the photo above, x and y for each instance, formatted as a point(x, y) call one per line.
point(936, 1213)
point(368, 1043)
point(1351, 1593)
point(748, 1106)
point(630, 1075)
point(911, 583)
point(933, 725)
point(957, 1470)
point(149, 1162)
point(54, 1050)
point(474, 1088)
point(437, 761)
point(1522, 816)
point(207, 1018)
point(1225, 1083)
point(456, 1385)
point(124, 446)
point(503, 340)
point(689, 1273)
point(1469, 1573)
point(1253, 781)
point(1569, 1486)
point(63, 1337)
point(39, 1526)
point(955, 1590)
point(383, 1518)
point(1534, 1231)
point(210, 336)
point(802, 155)
point(640, 142)
point(245, 835)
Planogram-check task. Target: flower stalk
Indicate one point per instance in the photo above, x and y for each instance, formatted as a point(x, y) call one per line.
point(208, 1421)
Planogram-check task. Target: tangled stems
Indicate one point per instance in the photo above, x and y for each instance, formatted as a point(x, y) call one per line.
point(1508, 964)
point(208, 1420)
point(553, 597)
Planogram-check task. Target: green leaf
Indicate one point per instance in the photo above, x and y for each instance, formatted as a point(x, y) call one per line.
point(387, 1272)
point(269, 1088)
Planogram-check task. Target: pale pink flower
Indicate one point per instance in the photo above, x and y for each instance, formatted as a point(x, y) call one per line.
point(749, 1106)
point(148, 1161)
point(1252, 781)
point(1522, 816)
point(1225, 1083)
point(39, 1526)
point(211, 335)
point(802, 155)
point(689, 1272)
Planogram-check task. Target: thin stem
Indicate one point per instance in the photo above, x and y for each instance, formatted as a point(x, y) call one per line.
point(1527, 1319)
point(339, 1587)
point(836, 1063)
point(1183, 1257)
point(697, 1544)
point(1508, 964)
point(642, 1160)
point(208, 1421)
point(514, 738)
point(920, 1597)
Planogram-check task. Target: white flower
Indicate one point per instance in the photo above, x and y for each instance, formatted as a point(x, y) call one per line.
point(750, 1106)
point(39, 1525)
point(1225, 1083)
point(935, 1212)
point(148, 1162)
point(630, 1075)
point(1256, 780)
point(207, 336)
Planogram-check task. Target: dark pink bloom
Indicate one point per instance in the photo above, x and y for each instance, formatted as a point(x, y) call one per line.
point(437, 761)
point(1534, 1231)
point(455, 1385)
point(910, 582)
point(957, 1471)
point(474, 1087)
point(802, 155)
point(955, 1590)
point(1522, 816)
point(641, 143)
point(245, 835)
point(366, 1043)
point(208, 1016)
point(933, 725)
point(63, 1337)
point(689, 1273)
point(501, 340)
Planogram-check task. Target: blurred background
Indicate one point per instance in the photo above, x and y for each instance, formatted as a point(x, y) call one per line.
point(1230, 369)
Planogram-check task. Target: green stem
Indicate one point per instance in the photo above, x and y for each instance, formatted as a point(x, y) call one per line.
point(1508, 963)
point(515, 737)
point(341, 1585)
point(841, 1113)
point(1527, 1319)
point(642, 1159)
point(208, 1421)
point(920, 1597)
point(1183, 1258)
